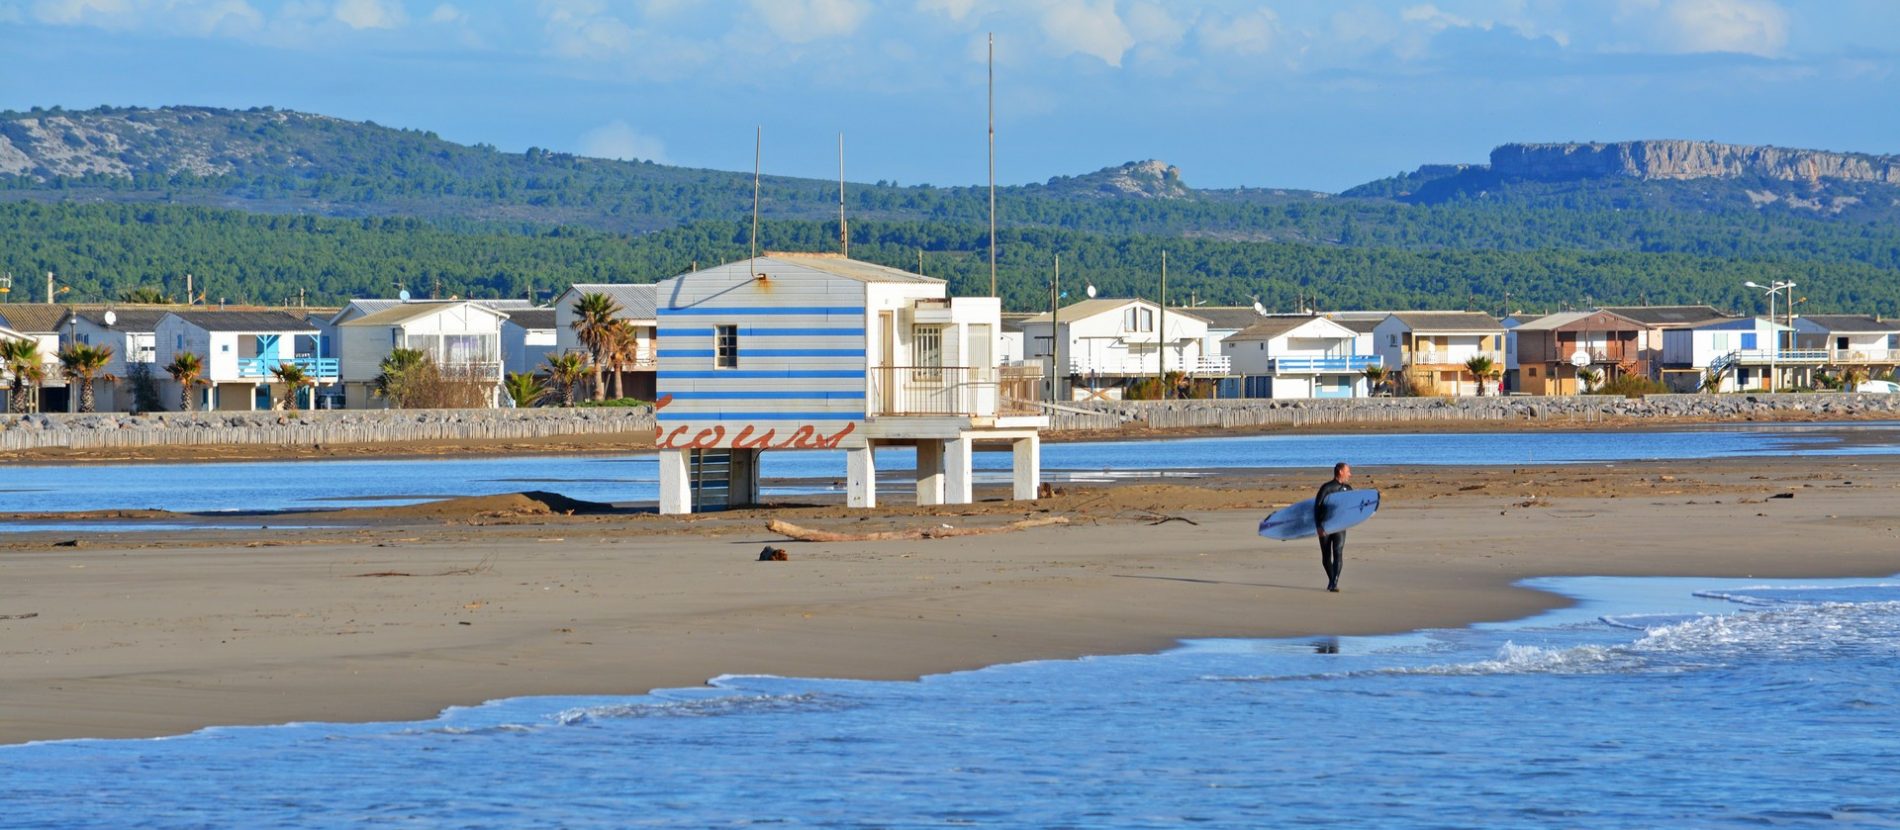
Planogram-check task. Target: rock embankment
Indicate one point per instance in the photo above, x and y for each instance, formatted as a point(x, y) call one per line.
point(118, 430)
point(1687, 160)
point(1235, 414)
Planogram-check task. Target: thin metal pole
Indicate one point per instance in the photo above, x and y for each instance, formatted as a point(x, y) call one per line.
point(992, 111)
point(1055, 332)
point(758, 138)
point(1161, 335)
point(844, 234)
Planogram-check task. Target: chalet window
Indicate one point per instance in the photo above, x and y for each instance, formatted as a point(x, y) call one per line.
point(1893, 342)
point(1392, 340)
point(1748, 340)
point(726, 347)
point(180, 343)
point(1533, 370)
point(927, 352)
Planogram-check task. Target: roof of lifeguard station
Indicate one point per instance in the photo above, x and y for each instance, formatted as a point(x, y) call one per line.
point(836, 265)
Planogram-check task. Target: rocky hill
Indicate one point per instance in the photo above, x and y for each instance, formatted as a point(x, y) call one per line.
point(1149, 179)
point(1688, 160)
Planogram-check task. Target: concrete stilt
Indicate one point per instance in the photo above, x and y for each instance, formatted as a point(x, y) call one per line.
point(860, 477)
point(1027, 466)
point(957, 473)
point(929, 472)
point(675, 493)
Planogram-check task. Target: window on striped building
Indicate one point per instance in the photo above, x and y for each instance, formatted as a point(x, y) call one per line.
point(726, 347)
point(927, 352)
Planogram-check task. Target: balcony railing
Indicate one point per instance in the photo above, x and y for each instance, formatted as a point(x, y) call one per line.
point(1450, 359)
point(1326, 364)
point(260, 367)
point(1147, 365)
point(1818, 357)
point(981, 391)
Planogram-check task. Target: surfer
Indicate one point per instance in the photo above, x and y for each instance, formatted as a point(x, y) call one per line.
point(1332, 547)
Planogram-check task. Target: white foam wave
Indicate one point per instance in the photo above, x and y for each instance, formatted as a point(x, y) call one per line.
point(702, 708)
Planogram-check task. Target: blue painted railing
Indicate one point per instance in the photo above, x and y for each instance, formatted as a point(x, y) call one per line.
point(259, 367)
point(1346, 363)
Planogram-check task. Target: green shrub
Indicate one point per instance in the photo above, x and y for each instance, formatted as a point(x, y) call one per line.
point(1632, 386)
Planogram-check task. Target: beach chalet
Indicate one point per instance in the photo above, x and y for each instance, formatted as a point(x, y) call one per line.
point(462, 337)
point(813, 351)
point(1657, 319)
point(40, 322)
point(528, 336)
point(1547, 352)
point(1298, 357)
point(1736, 354)
point(332, 342)
point(1222, 322)
point(636, 308)
point(1850, 340)
point(238, 350)
point(129, 331)
point(1429, 349)
point(1100, 347)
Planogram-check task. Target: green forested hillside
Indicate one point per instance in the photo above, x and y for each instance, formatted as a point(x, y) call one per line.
point(259, 203)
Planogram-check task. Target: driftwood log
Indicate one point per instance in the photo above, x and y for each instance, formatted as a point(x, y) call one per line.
point(806, 534)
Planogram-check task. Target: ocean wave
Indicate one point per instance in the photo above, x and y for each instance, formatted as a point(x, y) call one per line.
point(705, 708)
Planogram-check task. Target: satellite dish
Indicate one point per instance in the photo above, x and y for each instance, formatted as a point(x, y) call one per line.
point(1091, 291)
point(1580, 358)
point(403, 295)
point(1259, 309)
point(111, 317)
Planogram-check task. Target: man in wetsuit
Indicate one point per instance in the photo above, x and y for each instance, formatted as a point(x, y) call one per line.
point(1332, 546)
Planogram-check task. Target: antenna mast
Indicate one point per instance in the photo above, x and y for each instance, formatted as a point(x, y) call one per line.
point(844, 232)
point(992, 109)
point(758, 138)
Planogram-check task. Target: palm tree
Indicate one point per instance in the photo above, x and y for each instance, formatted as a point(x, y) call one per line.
point(85, 363)
point(595, 318)
point(294, 379)
point(625, 347)
point(20, 360)
point(1589, 378)
point(565, 371)
point(396, 380)
point(188, 369)
point(1480, 367)
point(524, 388)
point(1375, 377)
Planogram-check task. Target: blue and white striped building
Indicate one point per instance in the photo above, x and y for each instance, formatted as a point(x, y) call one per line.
point(815, 351)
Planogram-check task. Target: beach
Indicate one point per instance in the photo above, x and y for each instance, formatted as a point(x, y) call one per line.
point(409, 610)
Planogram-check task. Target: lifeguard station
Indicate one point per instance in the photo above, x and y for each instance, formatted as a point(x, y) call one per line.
point(816, 351)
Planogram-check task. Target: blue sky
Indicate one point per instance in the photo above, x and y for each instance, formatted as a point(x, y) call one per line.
point(1312, 94)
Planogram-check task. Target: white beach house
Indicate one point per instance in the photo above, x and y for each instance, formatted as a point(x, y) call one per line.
point(1430, 349)
point(1299, 357)
point(813, 351)
point(129, 332)
point(238, 350)
point(39, 322)
point(1850, 339)
point(462, 337)
point(528, 336)
point(1102, 346)
point(1738, 352)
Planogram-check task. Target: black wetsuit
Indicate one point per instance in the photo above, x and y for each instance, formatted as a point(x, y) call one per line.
point(1332, 546)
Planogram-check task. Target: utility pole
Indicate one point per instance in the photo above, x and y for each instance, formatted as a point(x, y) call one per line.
point(992, 111)
point(49, 288)
point(1161, 334)
point(1055, 332)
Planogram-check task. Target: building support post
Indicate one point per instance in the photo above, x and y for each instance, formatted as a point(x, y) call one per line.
point(957, 460)
point(860, 477)
point(1027, 467)
point(930, 474)
point(676, 495)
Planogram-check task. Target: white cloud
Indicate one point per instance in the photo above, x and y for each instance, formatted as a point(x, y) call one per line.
point(194, 17)
point(370, 14)
point(800, 21)
point(447, 13)
point(1088, 28)
point(1752, 27)
point(619, 140)
point(1248, 33)
point(584, 29)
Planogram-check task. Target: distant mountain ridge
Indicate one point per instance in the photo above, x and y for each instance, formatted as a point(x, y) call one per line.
point(1669, 159)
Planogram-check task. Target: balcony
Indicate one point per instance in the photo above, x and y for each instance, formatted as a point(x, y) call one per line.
point(260, 367)
point(1211, 366)
point(1454, 359)
point(955, 391)
point(1323, 364)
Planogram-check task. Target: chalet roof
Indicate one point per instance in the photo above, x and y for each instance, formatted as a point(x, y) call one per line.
point(1267, 328)
point(1090, 308)
point(373, 305)
point(636, 300)
point(1013, 320)
point(33, 317)
point(1852, 323)
point(406, 312)
point(245, 321)
point(1223, 317)
point(1748, 323)
point(1362, 325)
point(533, 318)
point(1449, 321)
point(1566, 319)
point(135, 318)
point(1668, 315)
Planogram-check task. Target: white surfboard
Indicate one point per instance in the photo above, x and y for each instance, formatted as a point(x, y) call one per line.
point(1295, 521)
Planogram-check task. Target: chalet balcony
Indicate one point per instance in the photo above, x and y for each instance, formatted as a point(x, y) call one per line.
point(955, 391)
point(1450, 359)
point(1209, 366)
point(260, 367)
point(1324, 364)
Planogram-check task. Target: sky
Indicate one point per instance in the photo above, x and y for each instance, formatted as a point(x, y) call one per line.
point(1269, 93)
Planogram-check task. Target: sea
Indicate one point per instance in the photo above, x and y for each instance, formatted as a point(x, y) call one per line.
point(1648, 703)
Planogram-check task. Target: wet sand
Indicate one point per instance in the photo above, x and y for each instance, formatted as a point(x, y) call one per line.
point(412, 609)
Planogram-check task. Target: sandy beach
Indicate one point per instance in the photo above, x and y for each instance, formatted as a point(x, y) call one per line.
point(413, 609)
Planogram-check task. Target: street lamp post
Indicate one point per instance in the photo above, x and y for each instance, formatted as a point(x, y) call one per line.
point(1774, 375)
